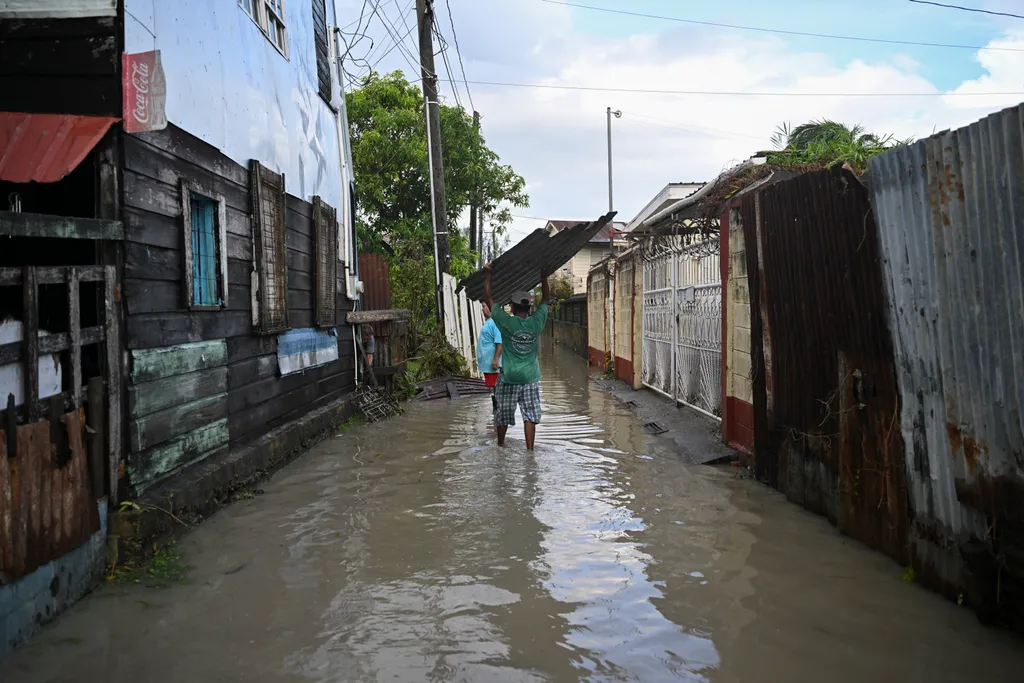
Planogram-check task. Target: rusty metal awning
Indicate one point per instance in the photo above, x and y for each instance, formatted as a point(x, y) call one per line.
point(46, 147)
point(519, 268)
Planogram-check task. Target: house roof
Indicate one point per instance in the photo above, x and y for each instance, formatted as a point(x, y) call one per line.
point(671, 193)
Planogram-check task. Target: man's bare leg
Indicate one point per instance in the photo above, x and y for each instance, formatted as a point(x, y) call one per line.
point(531, 431)
point(501, 435)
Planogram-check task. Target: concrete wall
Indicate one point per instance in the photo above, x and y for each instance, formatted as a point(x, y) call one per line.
point(738, 420)
point(36, 599)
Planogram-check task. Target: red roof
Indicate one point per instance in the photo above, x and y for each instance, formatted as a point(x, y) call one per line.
point(46, 147)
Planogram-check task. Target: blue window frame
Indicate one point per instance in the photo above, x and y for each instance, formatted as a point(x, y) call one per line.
point(205, 274)
point(205, 286)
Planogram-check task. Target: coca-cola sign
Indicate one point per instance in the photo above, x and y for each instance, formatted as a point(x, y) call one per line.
point(145, 92)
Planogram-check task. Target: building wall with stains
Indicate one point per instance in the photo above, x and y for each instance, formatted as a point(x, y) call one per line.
point(231, 87)
point(737, 385)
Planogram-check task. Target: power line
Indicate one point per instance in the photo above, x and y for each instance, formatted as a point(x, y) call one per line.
point(679, 125)
point(969, 9)
point(395, 34)
point(548, 86)
point(394, 45)
point(458, 52)
point(447, 64)
point(760, 29)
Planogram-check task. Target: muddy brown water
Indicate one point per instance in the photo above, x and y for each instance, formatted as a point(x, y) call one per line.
point(416, 551)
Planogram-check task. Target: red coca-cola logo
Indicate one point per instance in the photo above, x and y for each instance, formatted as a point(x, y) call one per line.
point(145, 92)
point(140, 81)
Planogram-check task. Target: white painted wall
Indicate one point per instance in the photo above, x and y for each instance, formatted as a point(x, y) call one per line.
point(228, 85)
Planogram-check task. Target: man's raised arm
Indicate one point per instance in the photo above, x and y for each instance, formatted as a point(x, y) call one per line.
point(488, 297)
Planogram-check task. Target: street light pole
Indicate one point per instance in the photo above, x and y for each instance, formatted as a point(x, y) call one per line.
point(618, 115)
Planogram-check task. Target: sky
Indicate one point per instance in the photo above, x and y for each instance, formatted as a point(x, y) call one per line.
point(556, 138)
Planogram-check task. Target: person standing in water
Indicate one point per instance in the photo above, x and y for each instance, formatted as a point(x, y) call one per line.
point(488, 353)
point(520, 376)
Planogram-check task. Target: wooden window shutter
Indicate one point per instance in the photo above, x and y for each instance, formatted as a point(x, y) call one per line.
point(325, 231)
point(270, 305)
point(323, 53)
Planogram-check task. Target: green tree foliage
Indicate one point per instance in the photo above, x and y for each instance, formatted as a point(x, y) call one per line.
point(828, 143)
point(389, 150)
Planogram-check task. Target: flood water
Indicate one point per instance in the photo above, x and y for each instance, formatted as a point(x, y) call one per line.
point(416, 551)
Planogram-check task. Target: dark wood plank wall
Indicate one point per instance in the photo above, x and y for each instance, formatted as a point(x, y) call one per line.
point(60, 66)
point(258, 399)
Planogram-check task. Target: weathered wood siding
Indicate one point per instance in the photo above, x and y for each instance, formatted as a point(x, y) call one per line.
point(61, 66)
point(192, 398)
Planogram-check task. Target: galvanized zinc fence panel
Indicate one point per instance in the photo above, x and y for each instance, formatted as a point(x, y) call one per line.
point(951, 216)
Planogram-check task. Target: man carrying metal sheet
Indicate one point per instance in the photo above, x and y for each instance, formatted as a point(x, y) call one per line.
point(520, 376)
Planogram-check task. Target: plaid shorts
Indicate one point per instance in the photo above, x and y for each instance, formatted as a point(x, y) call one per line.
point(508, 396)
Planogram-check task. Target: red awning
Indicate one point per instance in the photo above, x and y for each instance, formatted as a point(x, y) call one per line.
point(46, 147)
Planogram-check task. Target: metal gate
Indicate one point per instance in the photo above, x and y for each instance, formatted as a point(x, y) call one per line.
point(682, 330)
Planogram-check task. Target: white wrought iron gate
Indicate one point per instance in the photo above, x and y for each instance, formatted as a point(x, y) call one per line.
point(682, 330)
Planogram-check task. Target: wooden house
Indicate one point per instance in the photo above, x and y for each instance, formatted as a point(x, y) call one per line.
point(176, 222)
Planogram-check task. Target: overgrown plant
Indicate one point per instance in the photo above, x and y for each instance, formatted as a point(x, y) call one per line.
point(828, 143)
point(441, 359)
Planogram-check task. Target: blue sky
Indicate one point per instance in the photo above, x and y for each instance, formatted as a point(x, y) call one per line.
point(556, 138)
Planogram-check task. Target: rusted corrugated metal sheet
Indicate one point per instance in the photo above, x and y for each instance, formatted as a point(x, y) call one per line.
point(950, 215)
point(831, 408)
point(519, 268)
point(46, 147)
point(375, 273)
point(46, 508)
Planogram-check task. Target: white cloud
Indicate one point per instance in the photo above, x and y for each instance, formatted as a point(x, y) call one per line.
point(556, 138)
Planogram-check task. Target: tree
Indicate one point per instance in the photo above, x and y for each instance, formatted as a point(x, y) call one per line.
point(389, 152)
point(828, 143)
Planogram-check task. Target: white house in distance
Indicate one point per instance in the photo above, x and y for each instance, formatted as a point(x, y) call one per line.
point(670, 194)
point(608, 241)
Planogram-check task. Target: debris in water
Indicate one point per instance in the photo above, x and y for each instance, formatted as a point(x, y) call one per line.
point(450, 387)
point(654, 428)
point(376, 405)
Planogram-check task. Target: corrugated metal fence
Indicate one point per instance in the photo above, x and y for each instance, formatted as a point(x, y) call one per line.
point(375, 273)
point(827, 421)
point(951, 216)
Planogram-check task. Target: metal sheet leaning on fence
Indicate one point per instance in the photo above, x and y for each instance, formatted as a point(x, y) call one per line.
point(520, 381)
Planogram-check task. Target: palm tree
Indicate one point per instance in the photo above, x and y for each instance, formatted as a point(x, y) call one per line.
point(828, 143)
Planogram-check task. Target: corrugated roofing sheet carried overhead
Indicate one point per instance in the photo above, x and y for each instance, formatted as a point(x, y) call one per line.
point(46, 147)
point(519, 268)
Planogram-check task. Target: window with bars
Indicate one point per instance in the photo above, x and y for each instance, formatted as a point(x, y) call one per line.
point(205, 238)
point(323, 52)
point(270, 306)
point(269, 16)
point(325, 228)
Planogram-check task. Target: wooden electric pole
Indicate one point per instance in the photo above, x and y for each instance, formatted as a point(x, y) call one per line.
point(474, 241)
point(442, 260)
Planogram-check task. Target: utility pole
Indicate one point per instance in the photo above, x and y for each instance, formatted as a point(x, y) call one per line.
point(425, 23)
point(474, 240)
point(618, 115)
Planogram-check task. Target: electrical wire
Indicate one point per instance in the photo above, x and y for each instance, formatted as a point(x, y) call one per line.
point(410, 58)
point(760, 29)
point(447, 65)
point(394, 45)
point(584, 88)
point(458, 52)
point(689, 127)
point(969, 9)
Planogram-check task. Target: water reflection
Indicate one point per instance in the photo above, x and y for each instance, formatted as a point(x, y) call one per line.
point(415, 550)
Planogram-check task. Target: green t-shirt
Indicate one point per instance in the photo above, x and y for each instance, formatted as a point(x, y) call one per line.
point(521, 338)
